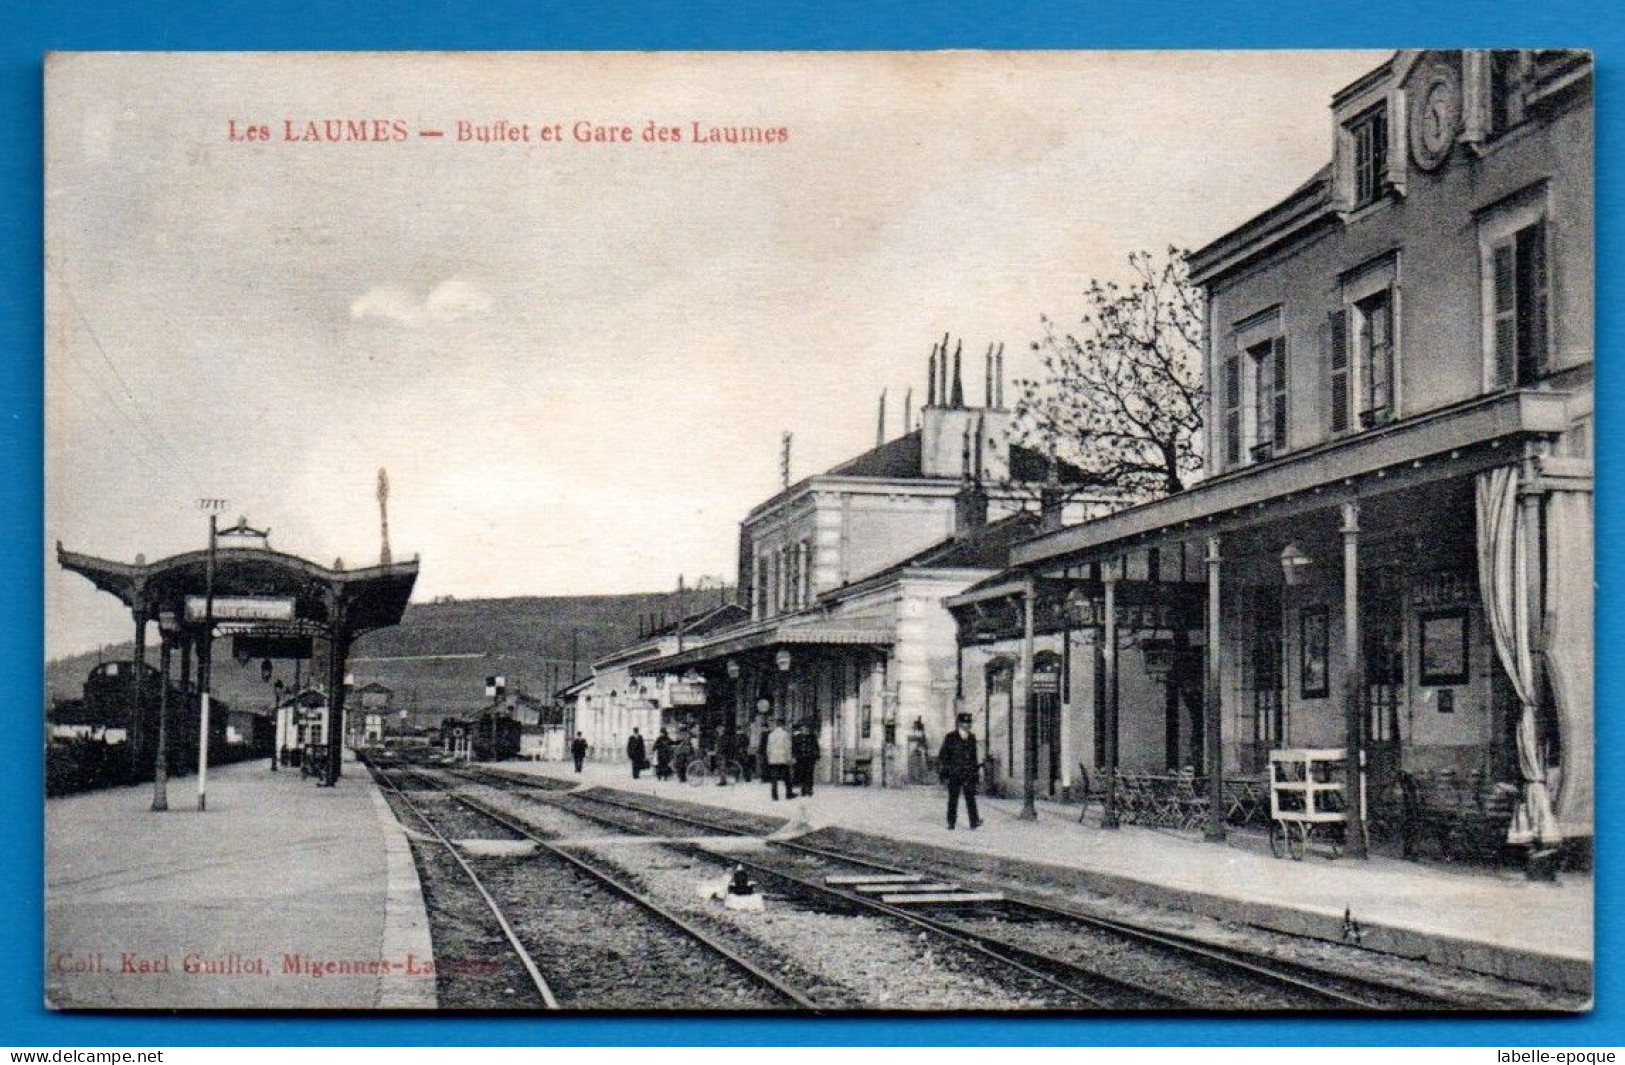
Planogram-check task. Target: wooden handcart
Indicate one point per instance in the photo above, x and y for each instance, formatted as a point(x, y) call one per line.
point(1307, 802)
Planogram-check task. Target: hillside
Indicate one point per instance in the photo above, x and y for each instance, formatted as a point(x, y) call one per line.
point(437, 659)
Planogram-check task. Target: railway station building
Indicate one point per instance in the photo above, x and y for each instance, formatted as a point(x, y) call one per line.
point(845, 573)
point(1391, 550)
point(620, 700)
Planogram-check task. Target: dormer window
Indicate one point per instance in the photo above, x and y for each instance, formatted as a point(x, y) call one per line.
point(1506, 90)
point(1368, 141)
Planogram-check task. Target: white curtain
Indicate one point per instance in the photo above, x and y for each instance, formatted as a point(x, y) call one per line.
point(1503, 577)
point(1569, 649)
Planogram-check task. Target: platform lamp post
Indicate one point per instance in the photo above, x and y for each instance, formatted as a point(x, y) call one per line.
point(206, 667)
point(169, 628)
point(276, 722)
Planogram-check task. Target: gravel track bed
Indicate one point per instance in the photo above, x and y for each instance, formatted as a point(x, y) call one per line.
point(475, 968)
point(638, 822)
point(674, 803)
point(600, 951)
point(1472, 990)
point(547, 816)
point(458, 821)
point(1116, 956)
point(873, 962)
point(1102, 952)
point(597, 950)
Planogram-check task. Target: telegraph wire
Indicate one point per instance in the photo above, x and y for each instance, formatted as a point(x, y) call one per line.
point(139, 419)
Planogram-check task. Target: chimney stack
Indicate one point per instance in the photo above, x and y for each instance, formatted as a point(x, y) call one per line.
point(981, 429)
point(998, 374)
point(942, 373)
point(880, 426)
point(931, 379)
point(987, 388)
point(908, 411)
point(958, 400)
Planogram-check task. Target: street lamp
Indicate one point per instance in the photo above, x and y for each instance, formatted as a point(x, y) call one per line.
point(1294, 564)
point(277, 736)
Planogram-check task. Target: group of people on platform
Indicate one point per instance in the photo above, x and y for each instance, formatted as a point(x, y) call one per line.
point(790, 756)
point(768, 749)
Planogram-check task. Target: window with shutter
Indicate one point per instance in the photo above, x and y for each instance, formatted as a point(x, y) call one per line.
point(1505, 309)
point(1368, 137)
point(1263, 370)
point(1232, 407)
point(1338, 369)
point(1267, 362)
point(1530, 244)
point(1519, 302)
point(1279, 405)
point(1376, 362)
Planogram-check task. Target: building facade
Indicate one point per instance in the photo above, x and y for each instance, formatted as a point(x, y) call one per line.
point(845, 573)
point(1396, 524)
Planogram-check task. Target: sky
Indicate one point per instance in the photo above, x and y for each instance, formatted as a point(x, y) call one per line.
point(576, 358)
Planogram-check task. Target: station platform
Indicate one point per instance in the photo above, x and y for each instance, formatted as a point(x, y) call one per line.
point(1486, 920)
point(283, 895)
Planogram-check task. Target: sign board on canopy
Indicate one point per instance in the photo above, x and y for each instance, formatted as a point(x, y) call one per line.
point(241, 608)
point(685, 693)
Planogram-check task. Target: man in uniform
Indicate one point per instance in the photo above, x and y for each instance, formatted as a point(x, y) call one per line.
point(578, 750)
point(960, 769)
point(636, 753)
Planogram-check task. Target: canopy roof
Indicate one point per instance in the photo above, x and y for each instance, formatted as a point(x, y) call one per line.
point(355, 601)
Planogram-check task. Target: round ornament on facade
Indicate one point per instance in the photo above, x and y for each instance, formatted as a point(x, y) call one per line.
point(1435, 119)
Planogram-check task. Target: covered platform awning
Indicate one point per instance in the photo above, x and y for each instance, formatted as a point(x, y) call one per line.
point(273, 604)
point(1445, 444)
point(772, 636)
point(992, 611)
point(357, 600)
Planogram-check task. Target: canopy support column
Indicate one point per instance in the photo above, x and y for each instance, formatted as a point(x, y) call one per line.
point(1212, 700)
point(1353, 683)
point(160, 758)
point(1029, 775)
point(1108, 662)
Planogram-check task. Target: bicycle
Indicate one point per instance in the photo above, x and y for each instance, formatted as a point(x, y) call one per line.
point(713, 767)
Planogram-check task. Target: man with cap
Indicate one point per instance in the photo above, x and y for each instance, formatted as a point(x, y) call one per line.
point(960, 769)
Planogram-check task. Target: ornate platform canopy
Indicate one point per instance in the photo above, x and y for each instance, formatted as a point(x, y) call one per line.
point(277, 603)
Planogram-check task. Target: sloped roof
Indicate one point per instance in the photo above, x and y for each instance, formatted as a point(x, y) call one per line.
point(895, 458)
point(703, 621)
point(986, 547)
point(902, 458)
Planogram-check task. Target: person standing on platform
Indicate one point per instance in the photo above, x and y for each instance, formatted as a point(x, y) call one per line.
point(960, 769)
point(578, 750)
point(804, 753)
point(684, 754)
point(663, 746)
point(778, 760)
point(637, 753)
point(753, 761)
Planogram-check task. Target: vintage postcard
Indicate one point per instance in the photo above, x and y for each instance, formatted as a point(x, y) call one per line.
point(1058, 531)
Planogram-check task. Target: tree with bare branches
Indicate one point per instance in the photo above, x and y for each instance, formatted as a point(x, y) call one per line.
point(1121, 397)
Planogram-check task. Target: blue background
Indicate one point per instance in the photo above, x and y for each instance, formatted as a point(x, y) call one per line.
point(719, 24)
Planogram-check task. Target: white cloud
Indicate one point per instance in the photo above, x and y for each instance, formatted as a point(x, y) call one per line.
point(449, 301)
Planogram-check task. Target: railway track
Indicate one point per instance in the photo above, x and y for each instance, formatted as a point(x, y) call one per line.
point(1025, 928)
point(657, 966)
